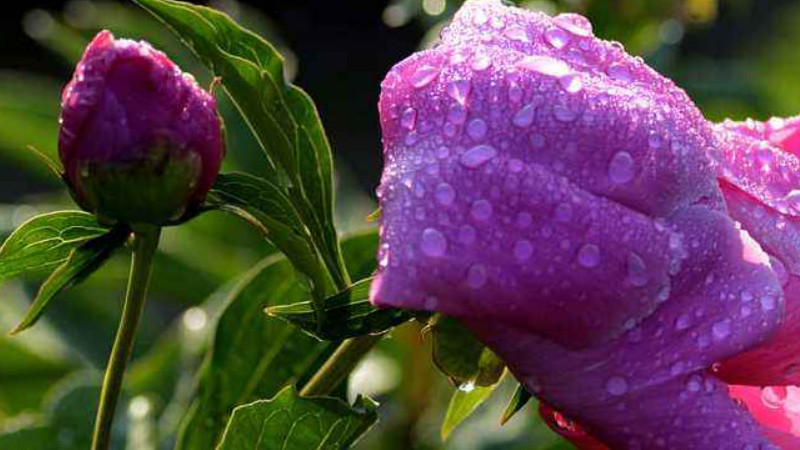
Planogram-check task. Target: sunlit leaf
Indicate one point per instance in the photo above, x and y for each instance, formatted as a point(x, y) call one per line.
point(46, 241)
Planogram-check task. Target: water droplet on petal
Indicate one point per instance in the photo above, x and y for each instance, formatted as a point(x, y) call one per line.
point(481, 61)
point(424, 75)
point(445, 194)
point(516, 33)
point(537, 141)
point(620, 169)
point(479, 18)
point(574, 23)
point(546, 65)
point(773, 397)
point(459, 91)
point(637, 270)
point(477, 156)
point(557, 37)
point(476, 276)
point(457, 115)
point(383, 256)
point(409, 118)
point(467, 386)
point(617, 385)
point(694, 384)
point(466, 234)
point(564, 114)
point(620, 72)
point(682, 322)
point(768, 302)
point(571, 83)
point(523, 249)
point(721, 329)
point(481, 210)
point(476, 129)
point(589, 256)
point(524, 117)
point(433, 243)
point(515, 165)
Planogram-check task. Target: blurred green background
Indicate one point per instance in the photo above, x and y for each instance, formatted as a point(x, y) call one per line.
point(736, 58)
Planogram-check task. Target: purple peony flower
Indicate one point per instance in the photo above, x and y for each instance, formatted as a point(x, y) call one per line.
point(140, 141)
point(561, 198)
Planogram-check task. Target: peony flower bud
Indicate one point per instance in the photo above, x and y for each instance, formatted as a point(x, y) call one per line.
point(140, 141)
point(560, 197)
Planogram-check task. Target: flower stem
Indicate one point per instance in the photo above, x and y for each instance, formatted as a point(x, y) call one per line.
point(145, 242)
point(339, 365)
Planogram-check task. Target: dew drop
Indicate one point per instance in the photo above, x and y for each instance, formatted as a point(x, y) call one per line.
point(563, 212)
point(433, 243)
point(589, 256)
point(479, 18)
point(457, 115)
point(557, 38)
point(424, 75)
point(459, 91)
point(409, 118)
point(694, 384)
point(523, 249)
point(637, 270)
point(442, 152)
point(768, 302)
point(524, 117)
point(466, 234)
point(574, 23)
point(481, 210)
point(571, 83)
point(620, 169)
point(537, 141)
point(620, 73)
point(476, 129)
point(773, 397)
point(721, 329)
point(481, 61)
point(682, 322)
point(564, 114)
point(546, 65)
point(445, 194)
point(476, 276)
point(515, 165)
point(516, 33)
point(477, 156)
point(467, 386)
point(617, 385)
point(383, 256)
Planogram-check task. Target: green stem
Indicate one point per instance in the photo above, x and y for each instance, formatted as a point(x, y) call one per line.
point(339, 365)
point(145, 242)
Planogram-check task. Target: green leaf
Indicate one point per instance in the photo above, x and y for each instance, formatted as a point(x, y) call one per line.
point(518, 401)
point(82, 262)
point(462, 404)
point(461, 356)
point(282, 116)
point(254, 356)
point(268, 207)
point(347, 314)
point(291, 422)
point(46, 241)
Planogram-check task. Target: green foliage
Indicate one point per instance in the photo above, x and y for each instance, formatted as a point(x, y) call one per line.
point(347, 314)
point(46, 241)
point(82, 261)
point(462, 404)
point(291, 422)
point(460, 356)
point(268, 207)
point(251, 358)
point(518, 401)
